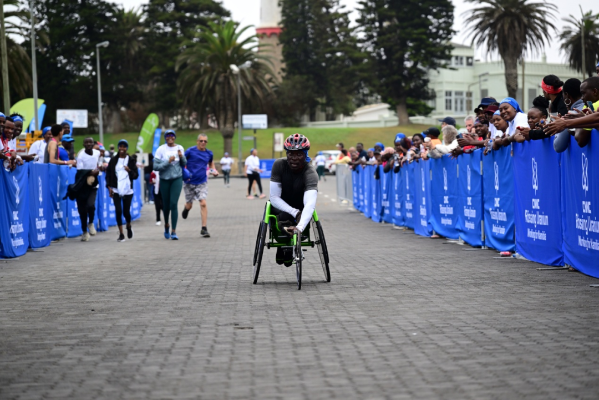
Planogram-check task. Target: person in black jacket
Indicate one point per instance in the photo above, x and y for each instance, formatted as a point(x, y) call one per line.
point(120, 174)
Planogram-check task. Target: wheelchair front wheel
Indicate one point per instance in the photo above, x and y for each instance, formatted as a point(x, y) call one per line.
point(259, 249)
point(323, 252)
point(298, 256)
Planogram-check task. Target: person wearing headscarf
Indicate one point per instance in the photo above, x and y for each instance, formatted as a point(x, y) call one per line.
point(510, 111)
point(38, 148)
point(552, 90)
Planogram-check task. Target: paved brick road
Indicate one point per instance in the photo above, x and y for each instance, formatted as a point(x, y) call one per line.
point(151, 318)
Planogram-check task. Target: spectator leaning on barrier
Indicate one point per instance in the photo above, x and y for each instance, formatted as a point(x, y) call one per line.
point(65, 150)
point(51, 155)
point(343, 160)
point(361, 152)
point(573, 100)
point(8, 146)
point(537, 117)
point(584, 123)
point(38, 148)
point(469, 123)
point(447, 121)
point(552, 90)
point(513, 115)
point(450, 142)
point(418, 149)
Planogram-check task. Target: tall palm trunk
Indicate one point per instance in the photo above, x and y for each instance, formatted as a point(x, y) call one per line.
point(511, 74)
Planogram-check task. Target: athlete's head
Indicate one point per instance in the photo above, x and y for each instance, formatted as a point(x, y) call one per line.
point(202, 141)
point(297, 147)
point(88, 144)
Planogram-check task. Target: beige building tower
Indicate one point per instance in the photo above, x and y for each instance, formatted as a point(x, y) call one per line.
point(269, 31)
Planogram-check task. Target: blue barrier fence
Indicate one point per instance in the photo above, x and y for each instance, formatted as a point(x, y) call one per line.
point(33, 212)
point(542, 204)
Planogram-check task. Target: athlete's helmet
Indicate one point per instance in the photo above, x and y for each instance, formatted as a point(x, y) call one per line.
point(297, 142)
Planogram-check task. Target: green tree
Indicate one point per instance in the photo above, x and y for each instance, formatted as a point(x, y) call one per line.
point(512, 28)
point(572, 43)
point(169, 24)
point(207, 80)
point(320, 47)
point(405, 40)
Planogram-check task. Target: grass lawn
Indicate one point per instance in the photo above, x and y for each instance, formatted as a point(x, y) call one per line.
point(320, 138)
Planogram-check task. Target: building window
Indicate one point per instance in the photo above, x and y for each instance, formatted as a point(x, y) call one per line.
point(459, 102)
point(448, 101)
point(469, 102)
point(458, 61)
point(469, 61)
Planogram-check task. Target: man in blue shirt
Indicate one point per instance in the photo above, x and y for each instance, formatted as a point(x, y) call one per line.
point(199, 158)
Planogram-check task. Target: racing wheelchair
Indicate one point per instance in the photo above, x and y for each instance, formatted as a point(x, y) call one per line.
point(276, 238)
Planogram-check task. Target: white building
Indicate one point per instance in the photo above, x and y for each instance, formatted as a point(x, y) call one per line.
point(459, 90)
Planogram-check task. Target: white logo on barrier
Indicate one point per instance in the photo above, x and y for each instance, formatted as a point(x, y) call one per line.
point(14, 180)
point(407, 182)
point(39, 183)
point(585, 174)
point(468, 174)
point(444, 179)
point(496, 168)
point(422, 175)
point(535, 177)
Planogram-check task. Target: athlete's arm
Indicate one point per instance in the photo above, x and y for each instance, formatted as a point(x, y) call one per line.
point(275, 199)
point(310, 197)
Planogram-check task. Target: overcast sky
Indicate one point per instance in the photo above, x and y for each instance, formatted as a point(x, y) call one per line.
point(248, 13)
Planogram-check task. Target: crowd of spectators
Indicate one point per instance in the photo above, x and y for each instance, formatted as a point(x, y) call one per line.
point(565, 109)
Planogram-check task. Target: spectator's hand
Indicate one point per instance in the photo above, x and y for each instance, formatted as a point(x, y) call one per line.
point(578, 114)
point(555, 127)
point(524, 132)
point(458, 151)
point(72, 163)
point(463, 142)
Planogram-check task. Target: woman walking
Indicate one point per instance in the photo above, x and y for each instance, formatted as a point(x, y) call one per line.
point(170, 160)
point(120, 174)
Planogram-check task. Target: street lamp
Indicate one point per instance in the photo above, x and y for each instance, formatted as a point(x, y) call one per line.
point(103, 44)
point(237, 71)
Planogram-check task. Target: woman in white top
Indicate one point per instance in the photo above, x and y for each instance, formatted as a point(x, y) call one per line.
point(514, 116)
point(225, 166)
point(252, 171)
point(88, 159)
point(120, 174)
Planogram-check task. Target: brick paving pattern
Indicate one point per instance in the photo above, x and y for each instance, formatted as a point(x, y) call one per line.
point(404, 317)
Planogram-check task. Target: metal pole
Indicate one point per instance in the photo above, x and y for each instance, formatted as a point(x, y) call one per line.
point(4, 50)
point(239, 121)
point(523, 92)
point(37, 125)
point(582, 45)
point(101, 127)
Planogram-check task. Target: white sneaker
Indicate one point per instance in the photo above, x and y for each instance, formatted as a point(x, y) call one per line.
point(158, 223)
point(92, 229)
point(150, 202)
point(85, 237)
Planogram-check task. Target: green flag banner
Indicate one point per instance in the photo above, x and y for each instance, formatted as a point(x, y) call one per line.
point(146, 136)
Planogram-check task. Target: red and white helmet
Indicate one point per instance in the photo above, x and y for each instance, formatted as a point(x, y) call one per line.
point(297, 142)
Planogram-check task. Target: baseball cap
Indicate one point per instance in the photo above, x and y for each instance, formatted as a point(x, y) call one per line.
point(170, 132)
point(486, 101)
point(432, 131)
point(68, 138)
point(491, 109)
point(123, 141)
point(448, 120)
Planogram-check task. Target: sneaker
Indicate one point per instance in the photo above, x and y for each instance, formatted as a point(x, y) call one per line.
point(262, 196)
point(174, 236)
point(166, 234)
point(256, 195)
point(85, 237)
point(185, 213)
point(250, 197)
point(121, 238)
point(205, 233)
point(151, 202)
point(130, 233)
point(92, 229)
point(158, 223)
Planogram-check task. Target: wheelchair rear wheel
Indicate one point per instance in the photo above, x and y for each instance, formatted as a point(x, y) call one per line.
point(259, 249)
point(298, 256)
point(323, 252)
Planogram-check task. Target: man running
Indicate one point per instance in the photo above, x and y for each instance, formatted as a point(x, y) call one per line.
point(293, 191)
point(198, 158)
point(225, 164)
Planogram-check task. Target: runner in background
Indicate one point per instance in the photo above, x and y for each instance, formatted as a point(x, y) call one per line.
point(169, 160)
point(155, 182)
point(320, 161)
point(225, 166)
point(199, 159)
point(88, 163)
point(120, 174)
point(252, 171)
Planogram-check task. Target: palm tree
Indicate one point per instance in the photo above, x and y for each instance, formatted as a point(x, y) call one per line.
point(572, 43)
point(207, 81)
point(131, 30)
point(511, 27)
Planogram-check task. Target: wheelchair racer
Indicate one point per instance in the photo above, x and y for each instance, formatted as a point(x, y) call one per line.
point(293, 191)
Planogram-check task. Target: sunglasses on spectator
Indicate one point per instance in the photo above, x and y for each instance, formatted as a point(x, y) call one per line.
point(203, 141)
